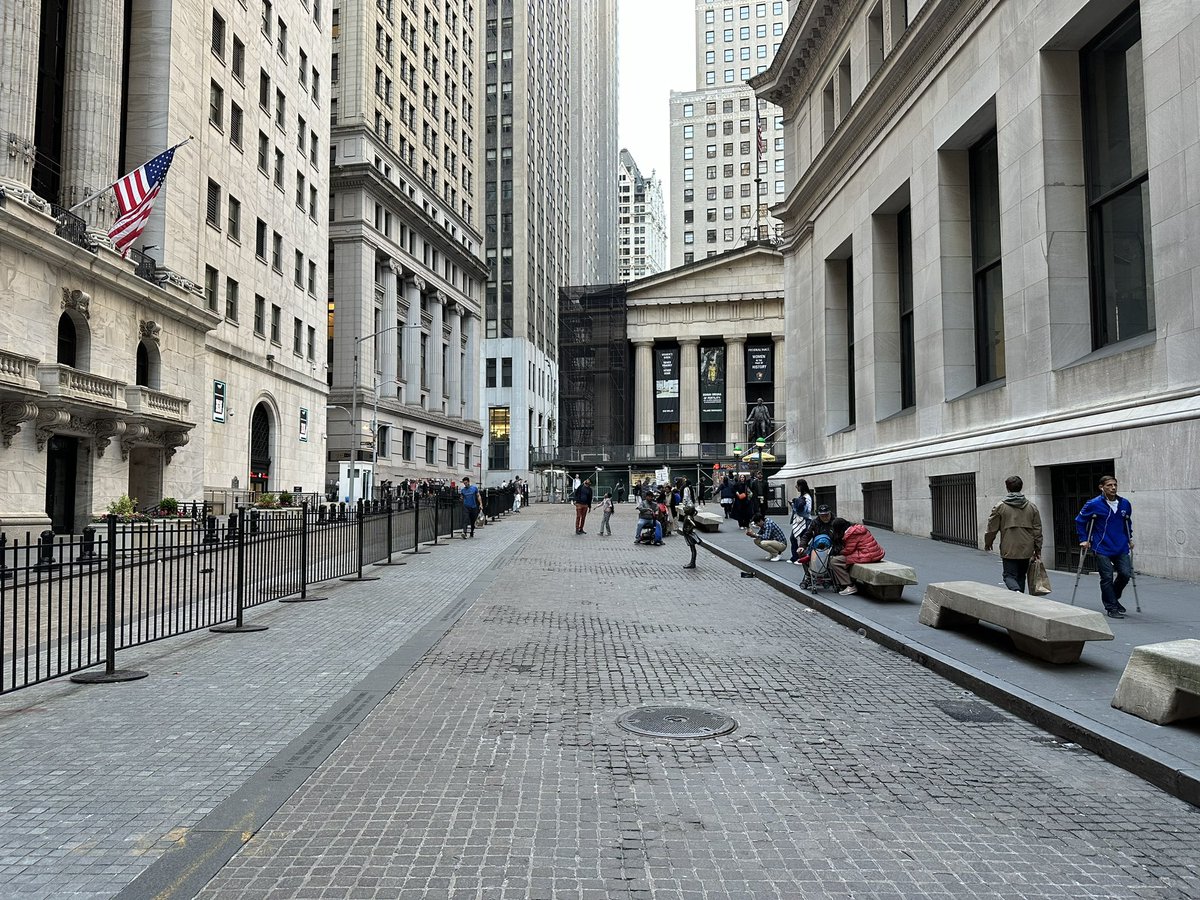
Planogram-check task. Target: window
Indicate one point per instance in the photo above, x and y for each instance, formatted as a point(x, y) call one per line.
point(264, 90)
point(276, 314)
point(216, 105)
point(264, 153)
point(277, 251)
point(231, 300)
point(312, 343)
point(451, 447)
point(383, 441)
point(260, 240)
point(210, 287)
point(297, 337)
point(984, 175)
point(239, 59)
point(498, 434)
point(279, 169)
point(280, 110)
point(506, 372)
point(1117, 184)
point(406, 445)
point(904, 291)
point(298, 270)
point(260, 308)
point(213, 213)
point(687, 132)
point(300, 192)
point(688, 110)
point(431, 449)
point(234, 219)
point(491, 371)
point(218, 36)
point(235, 125)
point(312, 278)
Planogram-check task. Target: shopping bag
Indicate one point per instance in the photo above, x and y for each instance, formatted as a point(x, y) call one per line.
point(1039, 581)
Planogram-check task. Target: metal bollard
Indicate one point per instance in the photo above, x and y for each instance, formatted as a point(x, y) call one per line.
point(321, 514)
point(254, 514)
point(4, 573)
point(45, 550)
point(87, 546)
point(231, 530)
point(210, 529)
point(342, 512)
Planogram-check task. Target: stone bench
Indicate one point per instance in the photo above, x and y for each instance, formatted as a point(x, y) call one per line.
point(883, 580)
point(1043, 628)
point(1161, 682)
point(709, 522)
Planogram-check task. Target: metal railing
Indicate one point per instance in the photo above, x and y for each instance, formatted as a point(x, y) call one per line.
point(70, 603)
point(610, 454)
point(954, 517)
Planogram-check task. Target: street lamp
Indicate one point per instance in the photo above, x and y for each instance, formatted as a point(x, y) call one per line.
point(354, 425)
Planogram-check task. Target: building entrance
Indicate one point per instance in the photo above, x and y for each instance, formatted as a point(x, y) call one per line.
point(62, 460)
point(1071, 487)
point(260, 449)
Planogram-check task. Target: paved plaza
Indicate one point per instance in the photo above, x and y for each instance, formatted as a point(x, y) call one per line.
point(450, 731)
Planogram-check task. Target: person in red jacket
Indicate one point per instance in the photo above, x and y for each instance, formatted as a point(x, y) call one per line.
point(852, 544)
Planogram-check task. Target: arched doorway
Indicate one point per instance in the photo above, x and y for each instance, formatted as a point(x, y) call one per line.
point(260, 448)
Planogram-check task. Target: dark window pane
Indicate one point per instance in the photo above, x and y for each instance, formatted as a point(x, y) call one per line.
point(1124, 291)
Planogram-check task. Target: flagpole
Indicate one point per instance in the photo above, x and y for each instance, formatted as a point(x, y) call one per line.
point(90, 198)
point(758, 149)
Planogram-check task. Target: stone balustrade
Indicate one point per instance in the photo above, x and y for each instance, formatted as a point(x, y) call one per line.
point(144, 401)
point(18, 371)
point(65, 383)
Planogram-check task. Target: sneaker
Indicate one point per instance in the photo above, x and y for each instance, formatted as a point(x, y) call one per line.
point(1121, 609)
point(1115, 614)
point(847, 591)
point(777, 558)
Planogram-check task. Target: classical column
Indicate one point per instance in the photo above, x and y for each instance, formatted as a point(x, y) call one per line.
point(471, 388)
point(413, 288)
point(454, 361)
point(437, 377)
point(689, 390)
point(390, 338)
point(780, 391)
point(735, 390)
point(20, 24)
point(643, 392)
point(91, 139)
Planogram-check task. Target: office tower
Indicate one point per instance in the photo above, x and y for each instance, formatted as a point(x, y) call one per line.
point(529, 121)
point(641, 224)
point(405, 250)
point(726, 146)
point(187, 369)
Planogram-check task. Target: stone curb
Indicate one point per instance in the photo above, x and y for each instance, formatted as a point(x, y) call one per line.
point(1164, 770)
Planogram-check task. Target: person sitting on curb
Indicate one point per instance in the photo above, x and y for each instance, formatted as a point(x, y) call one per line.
point(768, 537)
point(852, 544)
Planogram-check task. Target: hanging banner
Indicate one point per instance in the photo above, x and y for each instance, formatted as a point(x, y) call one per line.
point(760, 366)
point(666, 385)
point(303, 425)
point(218, 402)
point(712, 384)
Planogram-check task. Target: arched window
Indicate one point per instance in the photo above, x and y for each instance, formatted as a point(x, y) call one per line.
point(149, 365)
point(68, 341)
point(143, 366)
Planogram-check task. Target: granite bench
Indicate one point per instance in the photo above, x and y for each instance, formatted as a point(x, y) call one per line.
point(709, 522)
point(1161, 682)
point(883, 580)
point(1044, 628)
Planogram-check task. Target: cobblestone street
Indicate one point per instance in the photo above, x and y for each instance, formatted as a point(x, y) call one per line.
point(496, 768)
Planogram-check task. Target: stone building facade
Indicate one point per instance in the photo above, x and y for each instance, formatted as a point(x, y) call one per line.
point(641, 221)
point(991, 243)
point(199, 353)
point(406, 252)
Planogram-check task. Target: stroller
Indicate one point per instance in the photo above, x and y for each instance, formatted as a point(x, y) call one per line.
point(817, 558)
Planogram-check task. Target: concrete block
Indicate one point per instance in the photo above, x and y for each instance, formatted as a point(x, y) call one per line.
point(709, 522)
point(1161, 682)
point(883, 580)
point(1044, 628)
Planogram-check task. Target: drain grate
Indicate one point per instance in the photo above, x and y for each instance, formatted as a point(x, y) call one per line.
point(969, 711)
point(679, 722)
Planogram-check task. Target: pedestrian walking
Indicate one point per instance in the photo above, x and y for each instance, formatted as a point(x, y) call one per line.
point(517, 496)
point(1019, 524)
point(1105, 526)
point(583, 504)
point(725, 493)
point(606, 508)
point(470, 499)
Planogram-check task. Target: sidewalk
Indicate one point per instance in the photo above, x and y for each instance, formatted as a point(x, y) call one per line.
point(1072, 701)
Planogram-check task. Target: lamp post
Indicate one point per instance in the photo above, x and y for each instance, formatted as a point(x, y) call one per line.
point(375, 425)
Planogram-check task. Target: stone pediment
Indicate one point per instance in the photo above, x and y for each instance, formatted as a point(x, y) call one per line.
point(748, 273)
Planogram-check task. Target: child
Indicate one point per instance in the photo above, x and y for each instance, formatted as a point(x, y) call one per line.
point(606, 507)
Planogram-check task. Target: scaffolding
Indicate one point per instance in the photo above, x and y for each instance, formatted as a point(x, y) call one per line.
point(594, 367)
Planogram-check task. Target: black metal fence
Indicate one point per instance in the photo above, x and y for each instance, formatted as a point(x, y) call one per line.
point(955, 520)
point(70, 603)
point(877, 504)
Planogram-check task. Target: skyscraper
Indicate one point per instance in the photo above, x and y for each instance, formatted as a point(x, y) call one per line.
point(726, 146)
point(641, 222)
point(406, 253)
point(533, 57)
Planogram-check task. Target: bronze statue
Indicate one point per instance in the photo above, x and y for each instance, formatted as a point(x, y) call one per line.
point(759, 422)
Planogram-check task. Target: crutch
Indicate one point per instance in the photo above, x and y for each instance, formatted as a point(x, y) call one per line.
point(1132, 571)
point(1083, 558)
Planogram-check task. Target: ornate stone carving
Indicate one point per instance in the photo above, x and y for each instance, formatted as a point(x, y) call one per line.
point(80, 301)
point(49, 421)
point(394, 267)
point(103, 431)
point(12, 415)
point(418, 282)
point(172, 441)
point(149, 329)
point(134, 435)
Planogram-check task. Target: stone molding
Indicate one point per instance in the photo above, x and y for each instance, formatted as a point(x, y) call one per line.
point(147, 328)
point(12, 416)
point(80, 301)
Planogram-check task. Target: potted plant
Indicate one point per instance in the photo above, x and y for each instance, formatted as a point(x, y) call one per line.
point(132, 525)
point(272, 513)
point(173, 529)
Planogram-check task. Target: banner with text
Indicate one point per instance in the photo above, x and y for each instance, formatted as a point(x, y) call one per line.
point(666, 385)
point(712, 384)
point(760, 367)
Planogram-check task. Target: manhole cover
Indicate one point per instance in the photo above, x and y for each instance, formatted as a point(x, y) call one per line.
point(676, 722)
point(969, 711)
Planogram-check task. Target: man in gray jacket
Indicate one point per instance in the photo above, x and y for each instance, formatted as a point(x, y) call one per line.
point(1019, 525)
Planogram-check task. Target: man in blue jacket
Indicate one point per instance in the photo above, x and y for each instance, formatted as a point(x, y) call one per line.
point(1105, 526)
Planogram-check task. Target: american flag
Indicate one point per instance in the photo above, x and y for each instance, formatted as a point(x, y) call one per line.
point(762, 144)
point(135, 199)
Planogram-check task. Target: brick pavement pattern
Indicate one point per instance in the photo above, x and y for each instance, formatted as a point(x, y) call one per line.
point(97, 782)
point(496, 769)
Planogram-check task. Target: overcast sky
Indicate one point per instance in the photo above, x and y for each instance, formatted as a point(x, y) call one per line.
point(656, 44)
